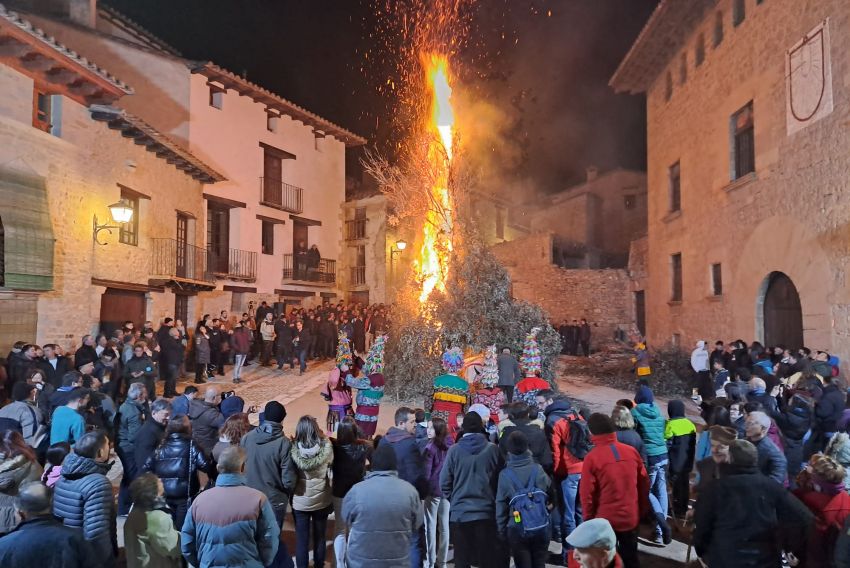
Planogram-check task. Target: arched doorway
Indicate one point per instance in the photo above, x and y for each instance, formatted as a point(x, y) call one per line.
point(782, 312)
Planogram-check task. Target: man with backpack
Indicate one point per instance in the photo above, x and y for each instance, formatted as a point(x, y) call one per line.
point(523, 499)
point(519, 416)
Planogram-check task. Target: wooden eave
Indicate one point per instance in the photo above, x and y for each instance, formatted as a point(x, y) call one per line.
point(35, 54)
point(234, 82)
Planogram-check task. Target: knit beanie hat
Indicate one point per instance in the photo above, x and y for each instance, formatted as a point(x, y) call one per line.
point(644, 395)
point(472, 423)
point(743, 453)
point(274, 412)
point(233, 405)
point(384, 458)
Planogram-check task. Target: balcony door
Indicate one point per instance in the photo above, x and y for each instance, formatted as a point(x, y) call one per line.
point(218, 237)
point(300, 236)
point(272, 177)
point(182, 242)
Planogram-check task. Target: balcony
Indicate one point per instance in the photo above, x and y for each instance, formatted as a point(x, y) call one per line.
point(358, 276)
point(175, 261)
point(297, 269)
point(233, 264)
point(283, 196)
point(355, 230)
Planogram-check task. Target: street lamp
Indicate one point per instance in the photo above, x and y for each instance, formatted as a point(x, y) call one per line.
point(400, 245)
point(121, 212)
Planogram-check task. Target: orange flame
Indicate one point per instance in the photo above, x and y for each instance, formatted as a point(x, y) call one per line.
point(433, 264)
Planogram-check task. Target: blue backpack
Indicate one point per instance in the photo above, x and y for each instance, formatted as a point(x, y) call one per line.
point(529, 516)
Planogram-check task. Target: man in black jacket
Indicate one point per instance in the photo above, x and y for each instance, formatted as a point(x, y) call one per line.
point(170, 358)
point(54, 365)
point(541, 450)
point(283, 342)
point(86, 353)
point(303, 340)
point(152, 431)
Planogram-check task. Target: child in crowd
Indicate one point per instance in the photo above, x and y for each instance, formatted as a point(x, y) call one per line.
point(681, 436)
point(56, 454)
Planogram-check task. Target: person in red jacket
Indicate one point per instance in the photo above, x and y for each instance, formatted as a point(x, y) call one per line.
point(567, 469)
point(821, 489)
point(614, 486)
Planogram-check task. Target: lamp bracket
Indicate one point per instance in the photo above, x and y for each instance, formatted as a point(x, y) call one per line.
point(98, 228)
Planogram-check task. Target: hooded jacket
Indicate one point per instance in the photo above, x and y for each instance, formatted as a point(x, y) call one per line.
point(151, 540)
point(150, 435)
point(411, 463)
point(313, 488)
point(83, 499)
point(771, 461)
point(177, 462)
point(131, 416)
point(26, 545)
point(523, 467)
point(699, 358)
point(650, 425)
point(739, 519)
point(829, 408)
point(468, 478)
point(349, 466)
point(435, 459)
point(381, 512)
point(539, 446)
point(269, 467)
point(14, 472)
point(206, 420)
point(681, 436)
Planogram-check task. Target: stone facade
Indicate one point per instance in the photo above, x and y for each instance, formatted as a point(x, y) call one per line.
point(603, 297)
point(790, 216)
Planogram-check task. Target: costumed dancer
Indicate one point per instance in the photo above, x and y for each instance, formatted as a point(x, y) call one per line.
point(486, 392)
point(529, 362)
point(370, 388)
point(641, 361)
point(337, 392)
point(451, 393)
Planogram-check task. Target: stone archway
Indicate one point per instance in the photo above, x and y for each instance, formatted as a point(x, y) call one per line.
point(781, 312)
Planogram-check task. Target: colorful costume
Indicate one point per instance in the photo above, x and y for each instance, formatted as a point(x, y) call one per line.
point(451, 393)
point(486, 391)
point(370, 389)
point(641, 361)
point(338, 392)
point(529, 361)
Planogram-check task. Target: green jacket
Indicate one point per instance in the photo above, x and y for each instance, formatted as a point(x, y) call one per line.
point(150, 540)
point(131, 416)
point(650, 425)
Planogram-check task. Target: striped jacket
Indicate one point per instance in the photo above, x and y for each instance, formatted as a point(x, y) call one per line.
point(230, 525)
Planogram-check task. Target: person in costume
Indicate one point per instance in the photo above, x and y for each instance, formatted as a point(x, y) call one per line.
point(370, 387)
point(486, 392)
point(451, 393)
point(641, 361)
point(337, 392)
point(530, 360)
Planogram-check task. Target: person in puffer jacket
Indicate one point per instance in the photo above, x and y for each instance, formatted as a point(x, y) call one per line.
point(312, 500)
point(793, 420)
point(681, 436)
point(18, 465)
point(83, 499)
point(650, 424)
point(176, 462)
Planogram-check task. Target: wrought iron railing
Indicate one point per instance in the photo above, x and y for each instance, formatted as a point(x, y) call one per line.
point(355, 229)
point(275, 193)
point(302, 268)
point(176, 259)
point(233, 263)
point(358, 275)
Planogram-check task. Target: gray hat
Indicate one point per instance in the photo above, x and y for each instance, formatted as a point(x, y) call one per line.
point(743, 453)
point(595, 533)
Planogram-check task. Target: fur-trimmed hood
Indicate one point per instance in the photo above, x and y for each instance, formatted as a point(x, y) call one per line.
point(309, 459)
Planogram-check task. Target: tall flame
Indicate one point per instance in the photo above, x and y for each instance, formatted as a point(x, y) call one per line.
point(433, 264)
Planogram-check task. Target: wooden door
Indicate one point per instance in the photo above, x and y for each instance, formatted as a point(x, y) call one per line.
point(783, 314)
point(300, 235)
point(181, 309)
point(118, 306)
point(218, 237)
point(182, 241)
point(272, 178)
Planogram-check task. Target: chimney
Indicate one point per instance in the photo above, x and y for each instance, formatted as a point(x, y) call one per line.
point(83, 12)
point(592, 173)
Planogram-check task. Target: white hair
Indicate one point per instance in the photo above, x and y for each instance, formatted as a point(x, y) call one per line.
point(760, 418)
point(757, 383)
point(135, 391)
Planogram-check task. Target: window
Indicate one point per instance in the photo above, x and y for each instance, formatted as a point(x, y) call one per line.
point(718, 29)
point(668, 86)
point(42, 109)
point(268, 237)
point(128, 233)
point(360, 214)
point(743, 142)
point(500, 222)
point(181, 307)
point(739, 12)
point(675, 182)
point(272, 121)
point(361, 255)
point(699, 55)
point(716, 280)
point(676, 277)
point(629, 202)
point(216, 97)
point(683, 68)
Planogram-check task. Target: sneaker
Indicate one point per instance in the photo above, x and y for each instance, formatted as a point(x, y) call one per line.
point(658, 540)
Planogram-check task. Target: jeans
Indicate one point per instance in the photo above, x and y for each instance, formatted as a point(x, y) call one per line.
point(437, 531)
point(128, 462)
point(529, 553)
point(658, 486)
point(282, 559)
point(266, 356)
point(572, 506)
point(302, 359)
point(304, 521)
point(478, 543)
point(627, 548)
point(170, 372)
point(237, 365)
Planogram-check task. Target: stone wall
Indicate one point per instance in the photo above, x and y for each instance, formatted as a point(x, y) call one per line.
point(603, 297)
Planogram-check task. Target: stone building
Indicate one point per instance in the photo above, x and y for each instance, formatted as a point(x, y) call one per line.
point(65, 156)
point(748, 103)
point(285, 166)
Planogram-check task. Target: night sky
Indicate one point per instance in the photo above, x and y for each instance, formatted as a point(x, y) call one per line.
point(546, 74)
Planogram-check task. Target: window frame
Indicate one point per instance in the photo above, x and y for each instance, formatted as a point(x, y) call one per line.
point(267, 237)
point(676, 278)
point(216, 96)
point(128, 233)
point(39, 91)
point(674, 186)
point(718, 33)
point(699, 51)
point(716, 276)
point(683, 68)
point(739, 12)
point(743, 139)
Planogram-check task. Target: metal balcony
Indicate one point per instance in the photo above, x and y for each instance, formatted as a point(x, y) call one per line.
point(355, 230)
point(233, 264)
point(297, 268)
point(275, 193)
point(175, 260)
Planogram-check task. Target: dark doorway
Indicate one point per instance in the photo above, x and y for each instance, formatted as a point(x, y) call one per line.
point(218, 237)
point(181, 309)
point(640, 311)
point(300, 239)
point(783, 314)
point(118, 306)
point(182, 241)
